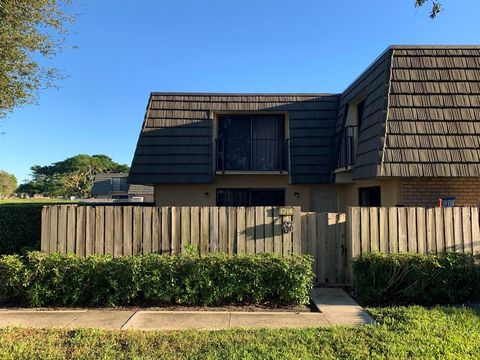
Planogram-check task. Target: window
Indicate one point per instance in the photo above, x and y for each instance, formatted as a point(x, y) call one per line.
point(360, 109)
point(251, 143)
point(250, 197)
point(119, 183)
point(369, 196)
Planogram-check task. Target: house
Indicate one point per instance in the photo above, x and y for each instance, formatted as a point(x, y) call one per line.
point(406, 132)
point(114, 186)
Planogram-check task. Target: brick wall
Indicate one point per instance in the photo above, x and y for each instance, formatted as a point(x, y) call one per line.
point(425, 192)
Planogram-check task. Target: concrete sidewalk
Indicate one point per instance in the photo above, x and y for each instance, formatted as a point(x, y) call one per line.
point(336, 307)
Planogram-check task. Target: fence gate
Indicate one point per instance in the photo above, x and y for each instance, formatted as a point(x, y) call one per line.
point(323, 237)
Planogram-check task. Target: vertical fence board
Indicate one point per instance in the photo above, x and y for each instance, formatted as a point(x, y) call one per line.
point(341, 246)
point(214, 241)
point(166, 245)
point(109, 224)
point(259, 230)
point(53, 238)
point(118, 231)
point(99, 244)
point(448, 228)
point(146, 230)
point(222, 230)
point(156, 231)
point(80, 231)
point(412, 230)
point(268, 216)
point(297, 231)
point(176, 229)
point(137, 230)
point(439, 231)
point(62, 229)
point(402, 230)
point(250, 230)
point(431, 247)
point(204, 229)
point(467, 231)
point(383, 233)
point(365, 229)
point(241, 246)
point(232, 230)
point(128, 230)
point(71, 228)
point(312, 238)
point(349, 242)
point(374, 229)
point(195, 227)
point(457, 226)
point(186, 226)
point(475, 231)
point(277, 232)
point(45, 238)
point(421, 231)
point(322, 225)
point(286, 239)
point(393, 230)
point(89, 230)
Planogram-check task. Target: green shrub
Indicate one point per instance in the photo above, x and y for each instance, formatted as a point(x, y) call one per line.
point(100, 280)
point(406, 278)
point(13, 278)
point(20, 227)
point(221, 279)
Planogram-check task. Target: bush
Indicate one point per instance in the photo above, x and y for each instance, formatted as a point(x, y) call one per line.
point(416, 279)
point(20, 227)
point(100, 280)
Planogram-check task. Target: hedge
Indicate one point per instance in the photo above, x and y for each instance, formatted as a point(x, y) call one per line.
point(406, 279)
point(20, 227)
point(39, 279)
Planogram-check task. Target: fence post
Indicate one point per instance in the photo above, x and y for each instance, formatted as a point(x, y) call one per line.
point(349, 247)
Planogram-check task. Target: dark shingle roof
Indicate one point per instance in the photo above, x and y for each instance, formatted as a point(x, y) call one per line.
point(433, 121)
point(175, 144)
point(421, 118)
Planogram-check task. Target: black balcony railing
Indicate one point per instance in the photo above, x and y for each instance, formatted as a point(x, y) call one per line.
point(348, 144)
point(252, 155)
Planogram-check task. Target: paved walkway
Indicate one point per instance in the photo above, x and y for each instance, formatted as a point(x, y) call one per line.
point(336, 307)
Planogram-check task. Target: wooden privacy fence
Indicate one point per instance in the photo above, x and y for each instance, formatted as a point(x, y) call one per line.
point(333, 239)
point(323, 237)
point(412, 229)
point(130, 230)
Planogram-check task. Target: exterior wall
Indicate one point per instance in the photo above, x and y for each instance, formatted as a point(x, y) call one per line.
point(390, 192)
point(194, 194)
point(319, 198)
point(425, 192)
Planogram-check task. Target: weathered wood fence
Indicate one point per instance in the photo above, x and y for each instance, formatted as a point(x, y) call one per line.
point(333, 239)
point(413, 229)
point(130, 230)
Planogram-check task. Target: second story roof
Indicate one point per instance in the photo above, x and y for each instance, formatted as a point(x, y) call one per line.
point(421, 117)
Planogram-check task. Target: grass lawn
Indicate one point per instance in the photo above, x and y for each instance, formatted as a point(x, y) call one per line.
point(400, 333)
point(40, 201)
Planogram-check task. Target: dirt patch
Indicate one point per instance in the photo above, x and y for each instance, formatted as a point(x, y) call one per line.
point(245, 308)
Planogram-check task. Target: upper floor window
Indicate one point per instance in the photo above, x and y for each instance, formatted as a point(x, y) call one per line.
point(251, 143)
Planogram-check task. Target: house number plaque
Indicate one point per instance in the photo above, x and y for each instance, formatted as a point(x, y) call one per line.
point(285, 211)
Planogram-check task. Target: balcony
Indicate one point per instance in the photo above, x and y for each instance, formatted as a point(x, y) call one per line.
point(348, 147)
point(257, 155)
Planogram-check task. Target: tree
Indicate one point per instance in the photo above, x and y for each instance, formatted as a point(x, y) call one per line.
point(71, 177)
point(8, 183)
point(435, 10)
point(29, 30)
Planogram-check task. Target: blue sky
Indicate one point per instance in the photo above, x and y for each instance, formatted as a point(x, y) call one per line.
point(126, 49)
